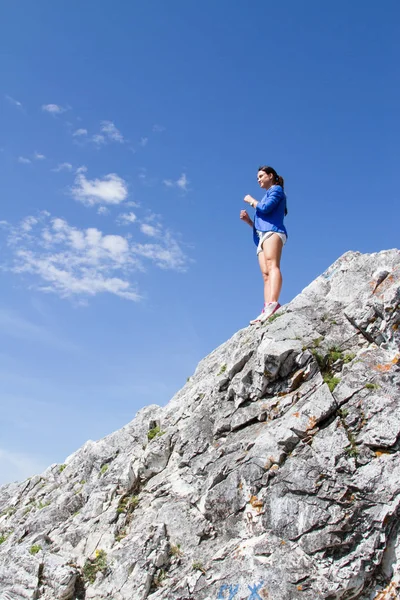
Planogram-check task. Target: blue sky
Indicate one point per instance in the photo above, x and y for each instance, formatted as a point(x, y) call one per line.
point(129, 134)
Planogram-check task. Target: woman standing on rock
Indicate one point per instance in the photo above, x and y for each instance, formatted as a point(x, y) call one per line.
point(270, 235)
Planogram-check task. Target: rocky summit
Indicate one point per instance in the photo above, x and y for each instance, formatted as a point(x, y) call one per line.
point(273, 474)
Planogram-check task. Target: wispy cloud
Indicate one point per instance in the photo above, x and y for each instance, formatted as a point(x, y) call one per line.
point(14, 102)
point(23, 160)
point(28, 223)
point(98, 139)
point(108, 133)
point(103, 210)
point(54, 109)
point(72, 262)
point(143, 141)
point(79, 263)
point(65, 166)
point(80, 132)
point(126, 218)
point(149, 230)
point(142, 174)
point(38, 156)
point(182, 182)
point(167, 255)
point(112, 189)
point(112, 133)
point(158, 128)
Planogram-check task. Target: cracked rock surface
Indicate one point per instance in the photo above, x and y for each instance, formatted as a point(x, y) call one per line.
point(273, 474)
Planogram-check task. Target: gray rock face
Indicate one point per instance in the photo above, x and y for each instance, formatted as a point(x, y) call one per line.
point(273, 474)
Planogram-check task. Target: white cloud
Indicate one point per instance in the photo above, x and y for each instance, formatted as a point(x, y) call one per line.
point(80, 132)
point(143, 141)
point(168, 255)
point(63, 167)
point(23, 160)
point(126, 218)
point(149, 230)
point(72, 262)
point(112, 189)
point(75, 263)
point(181, 183)
point(38, 156)
point(14, 102)
point(53, 109)
point(99, 139)
point(109, 129)
point(28, 223)
point(103, 210)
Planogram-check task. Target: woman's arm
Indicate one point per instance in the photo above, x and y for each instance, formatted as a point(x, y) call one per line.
point(250, 200)
point(245, 217)
point(270, 201)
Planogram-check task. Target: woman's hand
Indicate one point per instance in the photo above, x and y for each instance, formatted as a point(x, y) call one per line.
point(245, 217)
point(250, 200)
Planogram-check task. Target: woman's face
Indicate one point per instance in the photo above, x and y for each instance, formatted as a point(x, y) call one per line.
point(264, 179)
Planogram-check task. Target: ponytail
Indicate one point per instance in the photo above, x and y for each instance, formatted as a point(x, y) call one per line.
point(278, 179)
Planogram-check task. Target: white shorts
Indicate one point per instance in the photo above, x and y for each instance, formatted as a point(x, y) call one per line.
point(264, 235)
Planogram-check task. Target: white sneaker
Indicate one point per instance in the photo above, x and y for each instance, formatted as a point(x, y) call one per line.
point(258, 319)
point(269, 310)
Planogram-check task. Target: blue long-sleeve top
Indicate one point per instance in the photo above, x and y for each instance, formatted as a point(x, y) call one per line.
point(270, 212)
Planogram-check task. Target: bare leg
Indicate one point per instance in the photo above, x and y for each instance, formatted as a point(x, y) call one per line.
point(264, 272)
point(272, 251)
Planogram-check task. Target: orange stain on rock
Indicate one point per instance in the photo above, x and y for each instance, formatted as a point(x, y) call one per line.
point(379, 453)
point(386, 367)
point(256, 503)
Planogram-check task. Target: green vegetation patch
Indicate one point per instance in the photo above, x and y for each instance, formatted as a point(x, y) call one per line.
point(127, 504)
point(352, 451)
point(9, 511)
point(371, 386)
point(331, 381)
point(175, 550)
point(35, 549)
point(275, 316)
point(342, 413)
point(326, 362)
point(154, 432)
point(95, 565)
point(197, 566)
